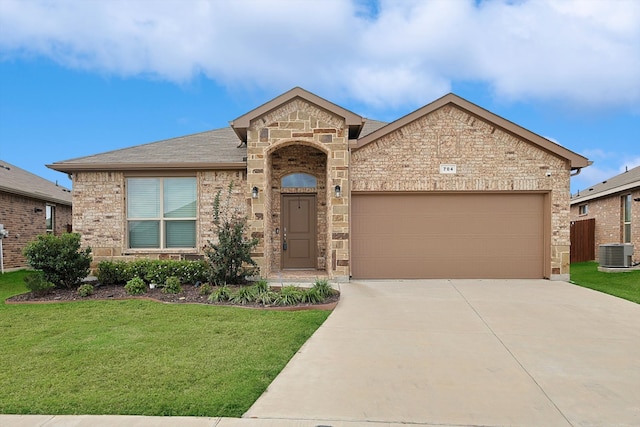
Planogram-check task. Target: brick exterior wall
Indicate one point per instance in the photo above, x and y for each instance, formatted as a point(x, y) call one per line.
point(100, 214)
point(487, 159)
point(17, 214)
point(607, 212)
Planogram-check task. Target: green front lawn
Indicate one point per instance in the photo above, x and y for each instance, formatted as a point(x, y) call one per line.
point(624, 285)
point(141, 357)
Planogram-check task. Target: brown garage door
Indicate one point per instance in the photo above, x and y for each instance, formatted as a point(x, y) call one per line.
point(468, 235)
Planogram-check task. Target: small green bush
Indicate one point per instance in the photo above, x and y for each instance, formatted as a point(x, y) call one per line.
point(221, 294)
point(261, 286)
point(312, 296)
point(266, 297)
point(244, 295)
point(172, 286)
point(37, 283)
point(229, 256)
point(85, 290)
point(136, 286)
point(60, 258)
point(153, 271)
point(289, 295)
point(323, 288)
point(113, 272)
point(205, 289)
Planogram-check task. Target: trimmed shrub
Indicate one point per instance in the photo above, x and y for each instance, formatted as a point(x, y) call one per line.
point(136, 286)
point(60, 258)
point(113, 272)
point(37, 283)
point(172, 286)
point(85, 290)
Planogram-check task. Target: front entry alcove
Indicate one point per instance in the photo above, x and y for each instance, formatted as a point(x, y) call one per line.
point(298, 211)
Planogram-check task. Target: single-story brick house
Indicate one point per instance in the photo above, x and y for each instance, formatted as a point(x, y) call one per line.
point(450, 190)
point(29, 205)
point(615, 206)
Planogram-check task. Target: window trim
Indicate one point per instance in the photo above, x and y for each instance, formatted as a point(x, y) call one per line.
point(50, 210)
point(583, 209)
point(162, 220)
point(626, 218)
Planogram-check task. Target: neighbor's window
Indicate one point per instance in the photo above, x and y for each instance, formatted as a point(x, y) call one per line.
point(299, 180)
point(583, 209)
point(626, 218)
point(50, 216)
point(161, 212)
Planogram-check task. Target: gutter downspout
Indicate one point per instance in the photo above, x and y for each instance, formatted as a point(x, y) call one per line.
point(578, 170)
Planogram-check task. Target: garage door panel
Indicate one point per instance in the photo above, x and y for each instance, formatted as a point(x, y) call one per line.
point(447, 236)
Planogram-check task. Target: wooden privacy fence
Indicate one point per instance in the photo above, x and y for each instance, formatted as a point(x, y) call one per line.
point(583, 242)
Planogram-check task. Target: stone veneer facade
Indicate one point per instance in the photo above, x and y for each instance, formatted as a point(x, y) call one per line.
point(486, 158)
point(607, 211)
point(300, 136)
point(272, 141)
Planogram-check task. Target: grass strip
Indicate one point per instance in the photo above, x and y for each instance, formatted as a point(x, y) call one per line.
point(141, 357)
point(623, 285)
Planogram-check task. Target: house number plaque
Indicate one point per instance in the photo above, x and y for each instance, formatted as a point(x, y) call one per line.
point(447, 168)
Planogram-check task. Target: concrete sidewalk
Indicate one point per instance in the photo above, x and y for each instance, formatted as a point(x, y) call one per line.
point(447, 353)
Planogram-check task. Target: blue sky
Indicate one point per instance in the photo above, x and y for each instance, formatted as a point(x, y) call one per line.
point(79, 78)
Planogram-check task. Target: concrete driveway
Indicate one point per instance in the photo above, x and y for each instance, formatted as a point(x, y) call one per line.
point(465, 353)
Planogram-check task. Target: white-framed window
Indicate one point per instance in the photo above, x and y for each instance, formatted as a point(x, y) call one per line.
point(50, 218)
point(626, 218)
point(161, 212)
point(583, 209)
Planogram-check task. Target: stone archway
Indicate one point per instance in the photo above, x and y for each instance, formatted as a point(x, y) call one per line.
point(291, 159)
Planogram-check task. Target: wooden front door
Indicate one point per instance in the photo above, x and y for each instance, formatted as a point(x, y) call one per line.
point(298, 231)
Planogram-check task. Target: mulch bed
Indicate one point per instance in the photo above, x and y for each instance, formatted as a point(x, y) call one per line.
point(189, 295)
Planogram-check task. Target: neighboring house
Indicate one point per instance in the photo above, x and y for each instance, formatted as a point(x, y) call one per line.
point(448, 191)
point(29, 205)
point(615, 206)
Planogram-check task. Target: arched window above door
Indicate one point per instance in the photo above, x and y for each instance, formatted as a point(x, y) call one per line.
point(303, 180)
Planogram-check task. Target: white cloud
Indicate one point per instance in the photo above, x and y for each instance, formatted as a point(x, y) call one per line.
point(585, 53)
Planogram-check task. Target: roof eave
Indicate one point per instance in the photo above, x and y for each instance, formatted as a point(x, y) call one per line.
point(37, 196)
point(85, 167)
point(605, 193)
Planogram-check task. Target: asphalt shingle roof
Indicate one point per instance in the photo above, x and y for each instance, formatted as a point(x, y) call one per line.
point(211, 147)
point(18, 181)
point(214, 147)
point(625, 181)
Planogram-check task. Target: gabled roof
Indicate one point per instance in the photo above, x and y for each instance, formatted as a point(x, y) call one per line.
point(577, 161)
point(214, 149)
point(353, 121)
point(18, 181)
point(627, 180)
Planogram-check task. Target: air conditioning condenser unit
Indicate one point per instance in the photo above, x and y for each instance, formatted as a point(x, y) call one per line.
point(616, 255)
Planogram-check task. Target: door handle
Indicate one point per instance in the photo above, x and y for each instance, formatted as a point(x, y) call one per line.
point(284, 239)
